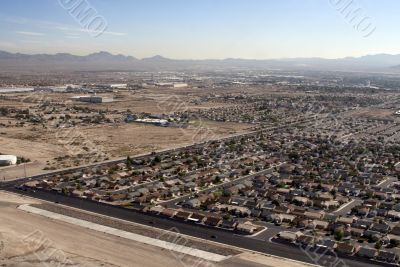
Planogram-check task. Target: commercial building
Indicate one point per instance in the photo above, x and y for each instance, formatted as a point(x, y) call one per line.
point(171, 85)
point(158, 122)
point(118, 86)
point(93, 99)
point(180, 85)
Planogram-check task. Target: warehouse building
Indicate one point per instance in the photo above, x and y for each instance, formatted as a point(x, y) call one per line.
point(171, 85)
point(93, 99)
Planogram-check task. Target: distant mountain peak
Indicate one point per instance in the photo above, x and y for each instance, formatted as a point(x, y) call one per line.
point(108, 56)
point(157, 58)
point(101, 53)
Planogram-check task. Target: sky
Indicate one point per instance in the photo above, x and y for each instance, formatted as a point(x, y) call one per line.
point(202, 29)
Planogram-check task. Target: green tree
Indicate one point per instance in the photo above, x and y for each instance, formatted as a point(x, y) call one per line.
point(129, 163)
point(339, 234)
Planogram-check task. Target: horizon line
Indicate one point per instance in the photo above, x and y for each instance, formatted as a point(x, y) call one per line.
point(206, 59)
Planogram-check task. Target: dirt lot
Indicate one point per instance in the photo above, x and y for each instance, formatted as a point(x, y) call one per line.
point(15, 143)
point(375, 113)
point(128, 139)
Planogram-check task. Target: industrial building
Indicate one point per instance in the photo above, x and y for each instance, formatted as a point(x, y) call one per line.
point(158, 122)
point(119, 86)
point(8, 160)
point(180, 85)
point(93, 99)
point(171, 85)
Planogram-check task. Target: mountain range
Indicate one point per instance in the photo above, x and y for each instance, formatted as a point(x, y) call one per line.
point(103, 61)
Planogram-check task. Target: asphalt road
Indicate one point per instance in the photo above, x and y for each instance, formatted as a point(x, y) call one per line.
point(345, 209)
point(388, 182)
point(216, 235)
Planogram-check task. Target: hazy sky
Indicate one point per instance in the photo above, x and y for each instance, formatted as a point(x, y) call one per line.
point(200, 29)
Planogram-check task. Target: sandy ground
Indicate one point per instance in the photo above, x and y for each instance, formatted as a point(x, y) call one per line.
point(375, 113)
point(29, 240)
point(37, 152)
point(130, 139)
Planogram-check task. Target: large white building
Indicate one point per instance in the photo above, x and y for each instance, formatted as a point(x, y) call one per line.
point(171, 85)
point(93, 99)
point(119, 86)
point(180, 85)
point(7, 160)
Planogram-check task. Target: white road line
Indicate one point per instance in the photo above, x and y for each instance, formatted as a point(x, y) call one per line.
point(127, 235)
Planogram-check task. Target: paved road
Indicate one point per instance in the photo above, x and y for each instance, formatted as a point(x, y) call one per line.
point(346, 208)
point(387, 182)
point(224, 237)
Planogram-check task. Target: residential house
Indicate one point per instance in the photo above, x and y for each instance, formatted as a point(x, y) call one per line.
point(289, 236)
point(169, 213)
point(197, 218)
point(213, 221)
point(192, 203)
point(356, 232)
point(320, 225)
point(227, 224)
point(367, 252)
point(156, 209)
point(381, 228)
point(396, 229)
point(314, 215)
point(246, 227)
point(183, 215)
point(387, 256)
point(347, 248)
